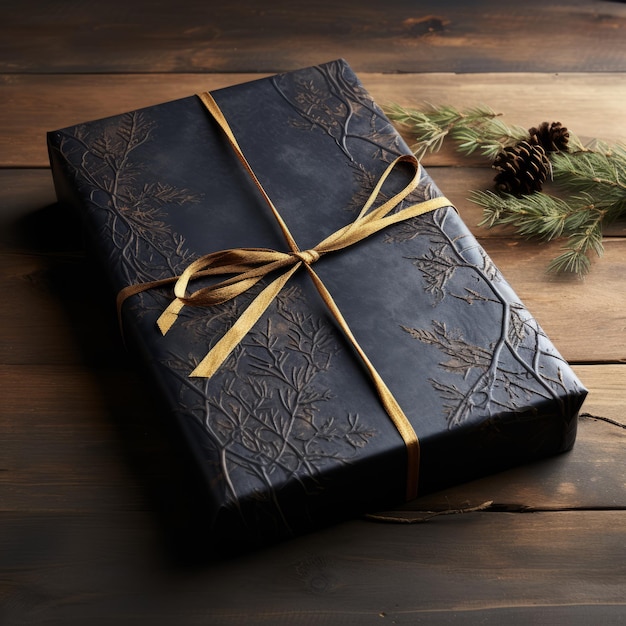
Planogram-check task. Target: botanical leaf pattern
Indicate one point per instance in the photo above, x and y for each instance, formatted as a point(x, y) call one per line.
point(463, 356)
point(106, 167)
point(331, 100)
point(505, 373)
point(269, 418)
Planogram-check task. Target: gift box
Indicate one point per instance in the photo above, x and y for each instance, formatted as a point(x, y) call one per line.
point(323, 327)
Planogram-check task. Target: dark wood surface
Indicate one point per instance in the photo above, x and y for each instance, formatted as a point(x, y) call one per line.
point(94, 525)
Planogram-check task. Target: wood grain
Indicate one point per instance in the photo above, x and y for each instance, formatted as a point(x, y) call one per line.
point(589, 104)
point(401, 36)
point(28, 208)
point(606, 386)
point(67, 293)
point(463, 569)
point(107, 423)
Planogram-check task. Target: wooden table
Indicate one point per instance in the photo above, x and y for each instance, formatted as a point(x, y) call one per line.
point(94, 524)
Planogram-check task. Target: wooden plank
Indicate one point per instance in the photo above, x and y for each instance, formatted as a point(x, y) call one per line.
point(165, 36)
point(573, 313)
point(28, 214)
point(465, 569)
point(89, 439)
point(606, 384)
point(54, 311)
point(83, 440)
point(48, 319)
point(559, 482)
point(589, 104)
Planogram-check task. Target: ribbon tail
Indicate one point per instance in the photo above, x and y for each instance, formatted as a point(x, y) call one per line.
point(170, 315)
point(220, 351)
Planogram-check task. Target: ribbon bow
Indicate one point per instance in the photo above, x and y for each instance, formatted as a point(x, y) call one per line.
point(247, 266)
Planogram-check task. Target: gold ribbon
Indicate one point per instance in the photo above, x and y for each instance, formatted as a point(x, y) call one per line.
point(249, 265)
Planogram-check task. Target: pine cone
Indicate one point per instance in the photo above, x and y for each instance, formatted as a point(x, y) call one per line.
point(523, 168)
point(552, 137)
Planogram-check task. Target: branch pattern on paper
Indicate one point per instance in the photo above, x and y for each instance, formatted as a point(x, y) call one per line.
point(267, 418)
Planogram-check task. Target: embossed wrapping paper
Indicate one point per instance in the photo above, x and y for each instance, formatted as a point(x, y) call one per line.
point(289, 433)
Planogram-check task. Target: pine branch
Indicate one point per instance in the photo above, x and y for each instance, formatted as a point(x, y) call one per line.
point(593, 170)
point(535, 215)
point(586, 238)
point(590, 180)
point(490, 137)
point(473, 129)
point(547, 217)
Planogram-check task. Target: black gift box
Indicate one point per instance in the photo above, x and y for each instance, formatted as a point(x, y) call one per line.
point(290, 432)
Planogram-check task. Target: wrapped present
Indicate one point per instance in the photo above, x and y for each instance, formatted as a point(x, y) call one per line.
point(320, 322)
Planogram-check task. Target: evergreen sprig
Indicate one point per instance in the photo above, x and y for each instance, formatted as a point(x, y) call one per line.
point(592, 187)
point(588, 170)
point(589, 181)
point(473, 129)
point(546, 217)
